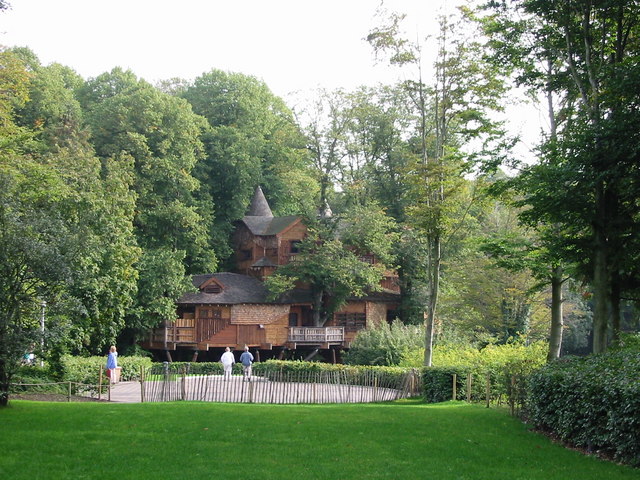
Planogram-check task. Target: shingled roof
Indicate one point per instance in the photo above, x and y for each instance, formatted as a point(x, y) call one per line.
point(237, 289)
point(269, 225)
point(259, 206)
point(260, 220)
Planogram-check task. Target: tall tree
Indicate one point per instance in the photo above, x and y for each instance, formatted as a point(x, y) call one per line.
point(451, 113)
point(595, 48)
point(252, 140)
point(159, 134)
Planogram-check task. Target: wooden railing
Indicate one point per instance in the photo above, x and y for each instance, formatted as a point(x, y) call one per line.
point(316, 334)
point(188, 330)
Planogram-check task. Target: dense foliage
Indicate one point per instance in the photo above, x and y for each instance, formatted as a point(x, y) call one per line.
point(87, 370)
point(498, 372)
point(384, 344)
point(114, 191)
point(591, 402)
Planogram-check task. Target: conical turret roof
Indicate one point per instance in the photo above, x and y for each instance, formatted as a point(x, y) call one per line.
point(259, 206)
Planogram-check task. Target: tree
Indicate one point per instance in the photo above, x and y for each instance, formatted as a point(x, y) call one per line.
point(97, 204)
point(252, 140)
point(593, 50)
point(159, 136)
point(331, 261)
point(452, 113)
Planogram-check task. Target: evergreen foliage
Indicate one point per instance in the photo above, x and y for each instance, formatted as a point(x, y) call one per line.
point(592, 402)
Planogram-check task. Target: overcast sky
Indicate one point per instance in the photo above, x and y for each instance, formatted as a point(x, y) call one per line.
point(292, 45)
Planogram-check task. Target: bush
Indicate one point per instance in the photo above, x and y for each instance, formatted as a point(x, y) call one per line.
point(35, 379)
point(384, 344)
point(86, 370)
point(507, 366)
point(591, 402)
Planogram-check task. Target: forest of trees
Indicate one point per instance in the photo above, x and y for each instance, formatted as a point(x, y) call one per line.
point(114, 191)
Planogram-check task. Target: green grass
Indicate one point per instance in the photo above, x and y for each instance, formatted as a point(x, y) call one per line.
point(405, 440)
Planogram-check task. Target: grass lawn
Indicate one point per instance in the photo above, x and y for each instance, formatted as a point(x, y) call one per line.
point(404, 440)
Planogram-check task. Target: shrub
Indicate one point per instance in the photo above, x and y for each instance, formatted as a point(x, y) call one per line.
point(438, 383)
point(86, 370)
point(507, 367)
point(591, 402)
point(384, 344)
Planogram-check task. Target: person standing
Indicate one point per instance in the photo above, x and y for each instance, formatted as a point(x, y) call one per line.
point(227, 361)
point(112, 363)
point(246, 359)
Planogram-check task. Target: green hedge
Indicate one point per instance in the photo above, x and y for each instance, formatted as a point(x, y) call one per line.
point(591, 402)
point(86, 370)
point(507, 366)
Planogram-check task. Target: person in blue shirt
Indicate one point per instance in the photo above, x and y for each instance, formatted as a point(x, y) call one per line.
point(112, 363)
point(246, 359)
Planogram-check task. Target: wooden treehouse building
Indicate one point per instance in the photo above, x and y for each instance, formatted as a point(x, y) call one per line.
point(231, 309)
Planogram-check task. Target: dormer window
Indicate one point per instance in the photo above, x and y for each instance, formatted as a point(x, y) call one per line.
point(213, 288)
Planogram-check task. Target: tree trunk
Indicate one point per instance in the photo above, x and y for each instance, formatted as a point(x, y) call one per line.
point(557, 322)
point(317, 309)
point(434, 287)
point(600, 275)
point(615, 309)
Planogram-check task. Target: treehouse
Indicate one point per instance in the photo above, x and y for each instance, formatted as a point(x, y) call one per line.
point(232, 309)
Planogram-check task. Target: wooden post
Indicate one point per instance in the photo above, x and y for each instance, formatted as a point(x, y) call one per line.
point(194, 358)
point(455, 387)
point(100, 384)
point(488, 389)
point(512, 397)
point(69, 393)
point(141, 384)
point(257, 355)
point(184, 382)
point(333, 356)
point(468, 387)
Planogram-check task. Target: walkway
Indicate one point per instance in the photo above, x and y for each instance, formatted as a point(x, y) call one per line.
point(125, 392)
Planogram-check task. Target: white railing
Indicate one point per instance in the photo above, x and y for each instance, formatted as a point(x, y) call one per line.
point(316, 334)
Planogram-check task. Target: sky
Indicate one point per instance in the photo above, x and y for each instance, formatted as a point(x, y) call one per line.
point(294, 46)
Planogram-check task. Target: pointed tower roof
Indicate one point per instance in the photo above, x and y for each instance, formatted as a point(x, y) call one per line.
point(259, 206)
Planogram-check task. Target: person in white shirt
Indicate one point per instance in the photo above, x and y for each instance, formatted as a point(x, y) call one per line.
point(227, 361)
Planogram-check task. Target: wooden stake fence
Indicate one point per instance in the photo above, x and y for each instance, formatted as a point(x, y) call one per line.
point(277, 386)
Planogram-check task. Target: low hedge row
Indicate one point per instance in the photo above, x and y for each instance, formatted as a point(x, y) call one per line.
point(86, 370)
point(591, 402)
point(507, 368)
point(295, 370)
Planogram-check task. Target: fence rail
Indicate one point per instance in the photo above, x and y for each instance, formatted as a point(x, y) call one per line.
point(316, 334)
point(68, 389)
point(173, 384)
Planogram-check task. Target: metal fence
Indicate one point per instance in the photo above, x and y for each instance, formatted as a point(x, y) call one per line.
point(166, 383)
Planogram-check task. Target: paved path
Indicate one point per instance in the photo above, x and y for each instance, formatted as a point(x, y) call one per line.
point(125, 392)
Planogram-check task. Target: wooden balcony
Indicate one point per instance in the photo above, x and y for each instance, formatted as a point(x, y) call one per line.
point(188, 330)
point(316, 335)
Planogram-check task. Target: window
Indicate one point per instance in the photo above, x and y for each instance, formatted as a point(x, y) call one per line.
point(295, 246)
point(352, 322)
point(293, 319)
point(213, 288)
point(246, 254)
point(209, 313)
